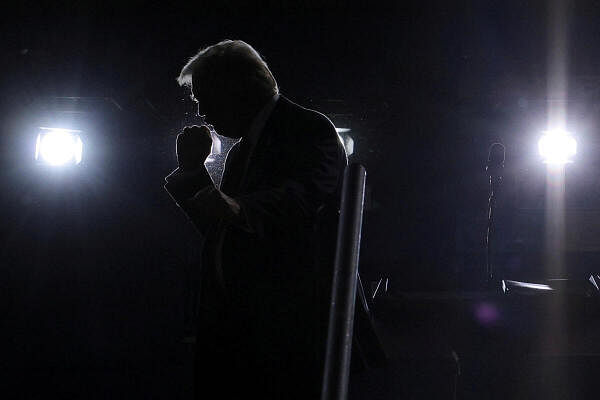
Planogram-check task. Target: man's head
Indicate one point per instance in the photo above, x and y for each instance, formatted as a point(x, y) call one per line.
point(231, 82)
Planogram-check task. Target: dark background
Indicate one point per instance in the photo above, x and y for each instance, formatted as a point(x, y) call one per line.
point(97, 265)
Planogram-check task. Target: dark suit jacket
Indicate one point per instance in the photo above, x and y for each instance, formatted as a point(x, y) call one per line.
point(276, 261)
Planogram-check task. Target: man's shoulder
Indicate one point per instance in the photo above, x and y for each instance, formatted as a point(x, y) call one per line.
point(293, 129)
point(291, 109)
point(299, 117)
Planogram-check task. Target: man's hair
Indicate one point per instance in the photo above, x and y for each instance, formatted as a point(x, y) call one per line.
point(232, 61)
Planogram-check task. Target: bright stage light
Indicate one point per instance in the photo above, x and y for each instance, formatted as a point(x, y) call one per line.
point(57, 146)
point(346, 139)
point(349, 145)
point(557, 147)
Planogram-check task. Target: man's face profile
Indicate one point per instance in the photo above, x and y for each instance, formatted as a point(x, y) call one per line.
point(217, 108)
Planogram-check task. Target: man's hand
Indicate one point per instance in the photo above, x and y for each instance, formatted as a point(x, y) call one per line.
point(193, 146)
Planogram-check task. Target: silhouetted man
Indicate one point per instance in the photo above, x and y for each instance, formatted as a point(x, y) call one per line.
point(269, 229)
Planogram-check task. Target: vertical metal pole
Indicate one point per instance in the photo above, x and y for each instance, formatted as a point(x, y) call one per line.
point(490, 232)
point(341, 314)
point(494, 168)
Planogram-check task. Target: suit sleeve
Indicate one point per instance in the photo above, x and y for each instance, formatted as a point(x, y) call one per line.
point(314, 178)
point(183, 186)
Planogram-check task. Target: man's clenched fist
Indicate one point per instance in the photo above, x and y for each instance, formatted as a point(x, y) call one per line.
point(193, 146)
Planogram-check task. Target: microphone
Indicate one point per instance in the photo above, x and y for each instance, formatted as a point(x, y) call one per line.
point(495, 161)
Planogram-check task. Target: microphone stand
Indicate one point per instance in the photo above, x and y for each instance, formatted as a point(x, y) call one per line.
point(495, 166)
point(494, 183)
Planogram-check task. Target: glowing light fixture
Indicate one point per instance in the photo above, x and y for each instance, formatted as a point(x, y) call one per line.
point(349, 145)
point(507, 284)
point(557, 147)
point(346, 140)
point(57, 146)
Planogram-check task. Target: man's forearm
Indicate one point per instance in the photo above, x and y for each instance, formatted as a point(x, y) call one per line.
point(202, 202)
point(184, 185)
point(210, 205)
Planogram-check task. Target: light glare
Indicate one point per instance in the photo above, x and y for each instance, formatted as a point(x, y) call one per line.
point(56, 146)
point(346, 140)
point(349, 145)
point(557, 147)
